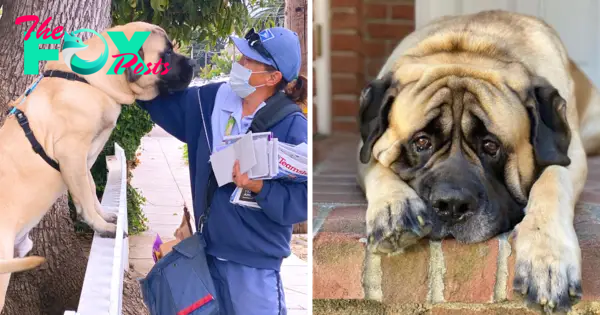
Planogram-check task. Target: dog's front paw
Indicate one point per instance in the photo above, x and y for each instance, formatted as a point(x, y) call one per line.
point(110, 231)
point(396, 223)
point(548, 266)
point(110, 217)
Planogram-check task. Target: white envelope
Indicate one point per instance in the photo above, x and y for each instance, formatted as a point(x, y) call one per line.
point(222, 162)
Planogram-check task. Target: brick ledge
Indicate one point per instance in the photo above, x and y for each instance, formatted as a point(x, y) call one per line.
point(369, 307)
point(463, 278)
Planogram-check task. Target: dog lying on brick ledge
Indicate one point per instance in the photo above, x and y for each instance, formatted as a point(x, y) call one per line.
point(476, 125)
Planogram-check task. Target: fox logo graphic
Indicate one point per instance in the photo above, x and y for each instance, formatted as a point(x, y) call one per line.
point(73, 44)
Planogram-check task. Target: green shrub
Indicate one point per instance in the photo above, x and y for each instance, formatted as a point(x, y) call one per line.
point(219, 64)
point(135, 216)
point(132, 125)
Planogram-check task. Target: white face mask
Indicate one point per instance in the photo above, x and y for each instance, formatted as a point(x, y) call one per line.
point(238, 79)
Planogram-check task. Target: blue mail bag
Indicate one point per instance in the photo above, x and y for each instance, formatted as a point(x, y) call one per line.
point(180, 282)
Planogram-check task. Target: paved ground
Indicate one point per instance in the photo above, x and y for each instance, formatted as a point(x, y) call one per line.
point(163, 179)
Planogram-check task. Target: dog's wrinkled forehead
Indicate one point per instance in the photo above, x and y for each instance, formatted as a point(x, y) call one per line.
point(498, 95)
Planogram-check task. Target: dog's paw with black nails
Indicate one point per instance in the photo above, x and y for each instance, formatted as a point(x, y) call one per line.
point(110, 217)
point(109, 232)
point(396, 223)
point(548, 266)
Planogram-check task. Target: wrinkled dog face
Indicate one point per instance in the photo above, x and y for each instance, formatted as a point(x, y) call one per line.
point(158, 48)
point(457, 166)
point(451, 148)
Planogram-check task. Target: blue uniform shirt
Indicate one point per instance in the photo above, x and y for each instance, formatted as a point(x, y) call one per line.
point(231, 105)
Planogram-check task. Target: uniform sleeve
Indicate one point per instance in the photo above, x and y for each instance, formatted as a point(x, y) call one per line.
point(284, 201)
point(169, 111)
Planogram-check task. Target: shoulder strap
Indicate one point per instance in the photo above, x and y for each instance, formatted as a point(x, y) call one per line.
point(277, 107)
point(211, 184)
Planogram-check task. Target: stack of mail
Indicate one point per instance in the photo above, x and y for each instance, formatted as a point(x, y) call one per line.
point(261, 156)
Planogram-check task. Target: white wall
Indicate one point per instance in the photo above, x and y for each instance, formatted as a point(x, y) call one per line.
point(322, 67)
point(576, 21)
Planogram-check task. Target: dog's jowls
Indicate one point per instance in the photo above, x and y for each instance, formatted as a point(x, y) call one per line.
point(476, 125)
point(72, 121)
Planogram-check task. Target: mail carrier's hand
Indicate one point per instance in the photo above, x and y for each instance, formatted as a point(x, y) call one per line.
point(242, 180)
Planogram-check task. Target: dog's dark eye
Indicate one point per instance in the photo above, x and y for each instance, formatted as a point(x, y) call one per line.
point(490, 147)
point(422, 143)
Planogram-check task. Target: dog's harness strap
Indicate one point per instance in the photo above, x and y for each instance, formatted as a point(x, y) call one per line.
point(37, 147)
point(65, 75)
point(24, 122)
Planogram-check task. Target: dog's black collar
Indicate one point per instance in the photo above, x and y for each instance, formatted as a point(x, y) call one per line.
point(24, 122)
point(72, 76)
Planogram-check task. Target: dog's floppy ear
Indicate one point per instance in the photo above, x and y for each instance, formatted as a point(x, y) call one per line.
point(375, 104)
point(129, 72)
point(550, 132)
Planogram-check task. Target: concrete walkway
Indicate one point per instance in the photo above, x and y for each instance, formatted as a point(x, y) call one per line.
point(163, 177)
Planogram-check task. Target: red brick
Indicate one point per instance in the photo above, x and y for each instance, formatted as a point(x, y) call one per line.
point(327, 146)
point(405, 276)
point(345, 126)
point(511, 274)
point(321, 150)
point(337, 266)
point(374, 66)
point(590, 196)
point(376, 11)
point(590, 255)
point(346, 85)
point(470, 271)
point(405, 12)
point(491, 310)
point(346, 220)
point(388, 31)
point(345, 108)
point(329, 188)
point(331, 168)
point(375, 48)
point(391, 45)
point(587, 226)
point(345, 3)
point(343, 20)
point(347, 64)
point(327, 180)
point(345, 42)
point(594, 166)
point(355, 198)
point(337, 148)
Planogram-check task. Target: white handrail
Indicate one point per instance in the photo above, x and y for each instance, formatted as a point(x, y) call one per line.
point(102, 291)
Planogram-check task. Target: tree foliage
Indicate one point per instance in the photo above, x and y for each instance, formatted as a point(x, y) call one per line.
point(219, 64)
point(184, 19)
point(269, 13)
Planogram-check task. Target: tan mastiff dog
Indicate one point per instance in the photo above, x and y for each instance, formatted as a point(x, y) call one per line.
point(72, 121)
point(476, 125)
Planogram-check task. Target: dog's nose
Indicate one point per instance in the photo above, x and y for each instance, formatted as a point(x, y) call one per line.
point(453, 204)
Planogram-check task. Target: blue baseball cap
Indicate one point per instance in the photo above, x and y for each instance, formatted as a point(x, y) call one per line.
point(282, 44)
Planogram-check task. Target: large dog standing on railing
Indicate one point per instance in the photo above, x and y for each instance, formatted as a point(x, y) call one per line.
point(71, 119)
